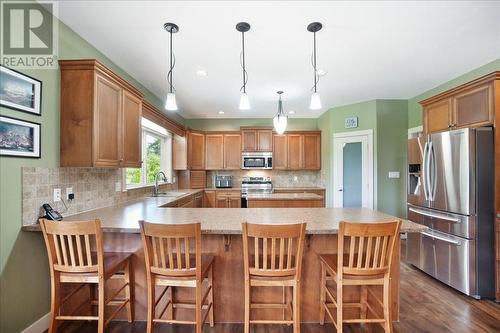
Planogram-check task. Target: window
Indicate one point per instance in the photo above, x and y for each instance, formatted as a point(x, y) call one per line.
point(156, 156)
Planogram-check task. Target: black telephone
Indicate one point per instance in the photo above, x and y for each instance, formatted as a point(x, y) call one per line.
point(51, 213)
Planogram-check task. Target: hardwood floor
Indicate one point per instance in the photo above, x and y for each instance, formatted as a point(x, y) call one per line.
point(427, 306)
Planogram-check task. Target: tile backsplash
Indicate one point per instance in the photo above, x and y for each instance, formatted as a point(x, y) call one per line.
point(93, 188)
point(280, 178)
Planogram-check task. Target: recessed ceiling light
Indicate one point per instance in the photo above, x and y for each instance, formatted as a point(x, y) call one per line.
point(291, 112)
point(202, 73)
point(221, 112)
point(321, 72)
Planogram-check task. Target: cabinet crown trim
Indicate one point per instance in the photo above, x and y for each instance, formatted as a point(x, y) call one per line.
point(449, 93)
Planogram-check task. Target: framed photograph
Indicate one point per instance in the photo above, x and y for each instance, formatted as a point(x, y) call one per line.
point(19, 138)
point(20, 92)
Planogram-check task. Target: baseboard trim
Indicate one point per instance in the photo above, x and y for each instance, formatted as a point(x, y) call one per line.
point(39, 326)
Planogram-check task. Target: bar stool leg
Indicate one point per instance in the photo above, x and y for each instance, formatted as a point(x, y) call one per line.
point(387, 316)
point(339, 305)
point(55, 292)
point(322, 295)
point(296, 307)
point(199, 327)
point(211, 295)
point(247, 307)
point(151, 305)
point(129, 290)
point(101, 306)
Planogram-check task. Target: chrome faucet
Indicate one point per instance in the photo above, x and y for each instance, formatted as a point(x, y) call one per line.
point(157, 176)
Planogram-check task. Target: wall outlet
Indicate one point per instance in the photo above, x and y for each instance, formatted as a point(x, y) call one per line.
point(118, 186)
point(295, 178)
point(57, 194)
point(393, 174)
point(69, 190)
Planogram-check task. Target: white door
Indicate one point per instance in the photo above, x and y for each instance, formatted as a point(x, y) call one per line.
point(353, 169)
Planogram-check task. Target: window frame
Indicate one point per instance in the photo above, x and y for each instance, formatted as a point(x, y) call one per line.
point(166, 158)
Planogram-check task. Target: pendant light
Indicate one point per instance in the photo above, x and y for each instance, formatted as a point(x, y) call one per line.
point(171, 104)
point(315, 99)
point(244, 101)
point(280, 120)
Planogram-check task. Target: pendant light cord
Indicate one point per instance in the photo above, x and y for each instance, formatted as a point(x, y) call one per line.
point(316, 77)
point(242, 63)
point(172, 65)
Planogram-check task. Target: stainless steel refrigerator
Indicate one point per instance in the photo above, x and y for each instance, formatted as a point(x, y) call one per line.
point(451, 190)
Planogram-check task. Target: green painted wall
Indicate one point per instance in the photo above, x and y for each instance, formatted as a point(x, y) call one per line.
point(415, 110)
point(24, 279)
point(392, 135)
point(231, 124)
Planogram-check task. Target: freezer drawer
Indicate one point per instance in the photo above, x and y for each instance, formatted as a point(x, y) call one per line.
point(449, 259)
point(455, 224)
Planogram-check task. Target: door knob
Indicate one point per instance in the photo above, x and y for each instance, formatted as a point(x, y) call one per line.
point(340, 189)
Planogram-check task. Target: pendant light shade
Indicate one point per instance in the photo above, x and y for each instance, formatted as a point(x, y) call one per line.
point(280, 121)
point(315, 99)
point(171, 104)
point(244, 100)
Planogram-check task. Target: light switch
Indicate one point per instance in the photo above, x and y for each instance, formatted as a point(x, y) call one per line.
point(393, 174)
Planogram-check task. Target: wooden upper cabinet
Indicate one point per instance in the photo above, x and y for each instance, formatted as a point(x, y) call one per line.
point(295, 151)
point(312, 151)
point(265, 140)
point(438, 116)
point(132, 114)
point(179, 152)
point(232, 151)
point(469, 105)
point(100, 117)
point(196, 150)
point(214, 151)
point(280, 152)
point(473, 107)
point(256, 139)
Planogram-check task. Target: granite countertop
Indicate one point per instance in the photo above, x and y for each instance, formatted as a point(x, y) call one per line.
point(124, 217)
point(284, 196)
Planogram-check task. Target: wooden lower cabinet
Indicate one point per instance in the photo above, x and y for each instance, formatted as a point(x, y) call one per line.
point(318, 191)
point(497, 262)
point(209, 199)
point(198, 200)
point(285, 203)
point(228, 199)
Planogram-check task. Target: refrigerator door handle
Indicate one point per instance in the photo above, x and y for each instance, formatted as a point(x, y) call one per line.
point(425, 171)
point(440, 238)
point(432, 164)
point(435, 215)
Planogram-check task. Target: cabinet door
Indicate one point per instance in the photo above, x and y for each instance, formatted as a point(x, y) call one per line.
point(198, 200)
point(232, 151)
point(214, 159)
point(249, 140)
point(295, 151)
point(179, 153)
point(265, 140)
point(234, 202)
point(188, 204)
point(280, 152)
point(107, 117)
point(473, 107)
point(196, 151)
point(437, 116)
point(131, 138)
point(209, 199)
point(222, 202)
point(312, 151)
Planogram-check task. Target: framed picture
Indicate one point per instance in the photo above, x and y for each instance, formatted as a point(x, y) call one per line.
point(19, 91)
point(19, 138)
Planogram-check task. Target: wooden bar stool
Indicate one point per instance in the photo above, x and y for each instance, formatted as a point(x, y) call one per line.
point(169, 263)
point(72, 260)
point(367, 264)
point(273, 258)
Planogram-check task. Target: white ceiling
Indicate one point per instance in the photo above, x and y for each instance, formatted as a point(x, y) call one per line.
point(371, 50)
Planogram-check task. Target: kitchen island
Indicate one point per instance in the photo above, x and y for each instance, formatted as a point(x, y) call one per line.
point(221, 229)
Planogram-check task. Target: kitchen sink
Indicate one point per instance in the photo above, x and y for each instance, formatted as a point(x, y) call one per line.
point(170, 194)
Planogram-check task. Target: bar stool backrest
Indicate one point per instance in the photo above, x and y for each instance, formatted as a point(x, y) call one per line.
point(273, 250)
point(371, 247)
point(172, 249)
point(72, 246)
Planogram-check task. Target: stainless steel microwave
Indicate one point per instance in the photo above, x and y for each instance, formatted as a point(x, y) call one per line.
point(257, 160)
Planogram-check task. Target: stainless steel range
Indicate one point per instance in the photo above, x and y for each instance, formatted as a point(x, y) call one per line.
point(254, 185)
